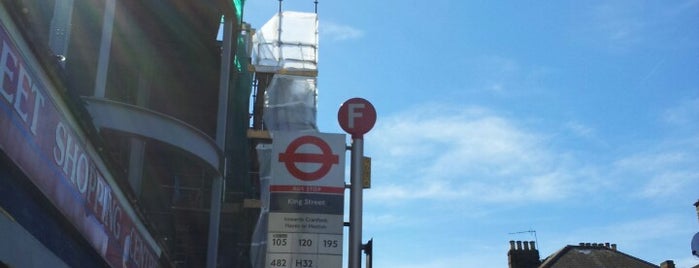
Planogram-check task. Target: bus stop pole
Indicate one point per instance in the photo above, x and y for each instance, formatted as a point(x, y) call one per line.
point(355, 228)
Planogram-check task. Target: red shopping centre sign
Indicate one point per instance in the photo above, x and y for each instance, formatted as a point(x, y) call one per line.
point(308, 159)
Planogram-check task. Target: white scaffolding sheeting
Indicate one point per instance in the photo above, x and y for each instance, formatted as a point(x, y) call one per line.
point(258, 247)
point(288, 41)
point(290, 103)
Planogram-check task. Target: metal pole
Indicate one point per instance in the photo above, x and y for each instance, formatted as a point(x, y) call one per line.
point(355, 229)
point(214, 221)
point(60, 29)
point(224, 78)
point(217, 183)
point(369, 250)
point(105, 48)
point(279, 35)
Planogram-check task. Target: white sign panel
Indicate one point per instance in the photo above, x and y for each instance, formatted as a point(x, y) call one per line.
point(306, 200)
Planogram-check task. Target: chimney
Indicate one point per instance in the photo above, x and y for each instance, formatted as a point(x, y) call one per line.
point(667, 264)
point(599, 245)
point(523, 255)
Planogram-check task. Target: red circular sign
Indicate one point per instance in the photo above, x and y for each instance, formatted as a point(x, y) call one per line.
point(356, 116)
point(326, 158)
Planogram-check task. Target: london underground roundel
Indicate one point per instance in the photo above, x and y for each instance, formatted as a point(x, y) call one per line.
point(290, 157)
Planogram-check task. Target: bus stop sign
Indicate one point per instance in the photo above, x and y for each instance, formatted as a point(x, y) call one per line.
point(357, 116)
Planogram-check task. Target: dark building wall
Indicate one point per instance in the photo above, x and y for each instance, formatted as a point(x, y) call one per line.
point(168, 50)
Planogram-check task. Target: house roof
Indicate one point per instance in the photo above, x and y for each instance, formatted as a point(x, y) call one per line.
point(592, 255)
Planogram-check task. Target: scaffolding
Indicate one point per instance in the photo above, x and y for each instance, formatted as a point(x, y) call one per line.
point(285, 62)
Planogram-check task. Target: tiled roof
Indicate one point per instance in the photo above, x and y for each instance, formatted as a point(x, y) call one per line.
point(598, 256)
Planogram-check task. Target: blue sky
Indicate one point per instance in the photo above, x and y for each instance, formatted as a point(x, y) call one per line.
point(577, 119)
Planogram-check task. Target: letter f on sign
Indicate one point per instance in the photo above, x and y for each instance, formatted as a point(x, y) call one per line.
point(356, 116)
point(351, 115)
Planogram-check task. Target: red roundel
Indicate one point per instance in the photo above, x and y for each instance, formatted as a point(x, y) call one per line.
point(326, 158)
point(357, 116)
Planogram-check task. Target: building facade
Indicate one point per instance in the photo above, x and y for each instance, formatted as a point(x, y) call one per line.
point(123, 134)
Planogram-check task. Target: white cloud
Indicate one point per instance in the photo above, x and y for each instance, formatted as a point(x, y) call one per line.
point(650, 234)
point(439, 164)
point(686, 113)
point(663, 172)
point(384, 219)
point(442, 152)
point(458, 260)
point(668, 168)
point(653, 161)
point(668, 183)
point(638, 231)
point(616, 26)
point(685, 7)
point(503, 76)
point(338, 32)
point(625, 25)
point(465, 153)
point(687, 262)
point(580, 129)
point(496, 74)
